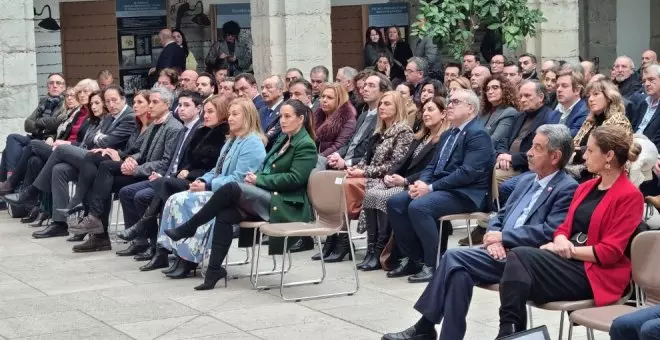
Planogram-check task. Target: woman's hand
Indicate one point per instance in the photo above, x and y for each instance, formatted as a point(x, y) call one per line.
point(388, 68)
point(353, 172)
point(183, 174)
point(197, 186)
point(251, 178)
point(112, 153)
point(396, 180)
point(564, 247)
point(549, 247)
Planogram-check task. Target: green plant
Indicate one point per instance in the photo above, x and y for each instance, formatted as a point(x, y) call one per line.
point(453, 23)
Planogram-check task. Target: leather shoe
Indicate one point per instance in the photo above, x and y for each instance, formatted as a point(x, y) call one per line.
point(132, 250)
point(76, 238)
point(32, 216)
point(52, 230)
point(70, 212)
point(303, 244)
point(477, 235)
point(183, 271)
point(405, 268)
point(177, 261)
point(159, 260)
point(22, 198)
point(133, 232)
point(145, 255)
point(328, 248)
point(424, 275)
point(411, 334)
point(93, 243)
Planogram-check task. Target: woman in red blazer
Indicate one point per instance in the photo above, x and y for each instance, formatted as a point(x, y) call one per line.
point(586, 258)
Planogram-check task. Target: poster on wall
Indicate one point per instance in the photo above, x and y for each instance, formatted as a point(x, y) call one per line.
point(240, 13)
point(138, 25)
point(390, 14)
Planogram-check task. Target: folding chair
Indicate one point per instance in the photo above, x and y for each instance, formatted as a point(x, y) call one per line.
point(326, 193)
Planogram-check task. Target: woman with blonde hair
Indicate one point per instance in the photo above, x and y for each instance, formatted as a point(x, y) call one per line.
point(605, 108)
point(242, 153)
point(405, 171)
point(387, 146)
point(459, 83)
point(334, 119)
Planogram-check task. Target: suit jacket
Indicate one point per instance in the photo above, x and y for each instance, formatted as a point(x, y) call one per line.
point(548, 212)
point(519, 159)
point(652, 130)
point(114, 133)
point(181, 156)
point(155, 158)
point(361, 148)
point(258, 102)
point(204, 149)
point(46, 118)
point(575, 119)
point(272, 128)
point(411, 167)
point(612, 224)
point(470, 166)
point(246, 154)
point(499, 123)
point(333, 131)
point(172, 56)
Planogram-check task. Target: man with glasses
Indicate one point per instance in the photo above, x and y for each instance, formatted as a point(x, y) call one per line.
point(318, 76)
point(43, 122)
point(456, 181)
point(496, 64)
point(415, 72)
point(246, 87)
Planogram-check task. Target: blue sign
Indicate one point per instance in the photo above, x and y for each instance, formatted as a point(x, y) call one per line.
point(389, 14)
point(140, 8)
point(236, 12)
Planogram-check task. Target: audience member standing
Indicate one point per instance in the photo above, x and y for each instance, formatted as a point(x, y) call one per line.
point(400, 51)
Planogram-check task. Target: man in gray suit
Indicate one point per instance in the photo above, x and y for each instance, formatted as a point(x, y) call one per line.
point(535, 209)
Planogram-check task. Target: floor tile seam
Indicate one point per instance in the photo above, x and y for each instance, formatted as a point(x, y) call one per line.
point(106, 324)
point(27, 284)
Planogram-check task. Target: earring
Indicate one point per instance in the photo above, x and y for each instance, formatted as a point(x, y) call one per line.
point(607, 165)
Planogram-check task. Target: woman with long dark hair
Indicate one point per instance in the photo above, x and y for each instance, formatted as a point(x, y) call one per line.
point(374, 46)
point(180, 39)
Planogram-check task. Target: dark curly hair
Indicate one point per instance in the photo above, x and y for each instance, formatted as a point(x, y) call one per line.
point(509, 94)
point(231, 28)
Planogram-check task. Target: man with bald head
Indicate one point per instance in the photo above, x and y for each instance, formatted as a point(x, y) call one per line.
point(589, 70)
point(477, 78)
point(188, 80)
point(626, 78)
point(648, 57)
point(172, 56)
point(272, 92)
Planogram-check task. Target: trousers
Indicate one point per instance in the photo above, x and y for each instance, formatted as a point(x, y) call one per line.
point(643, 324)
point(13, 149)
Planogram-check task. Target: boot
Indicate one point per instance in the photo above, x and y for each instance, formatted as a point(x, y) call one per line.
point(506, 330)
point(341, 250)
point(175, 264)
point(43, 217)
point(215, 271)
point(139, 228)
point(382, 236)
point(513, 307)
point(183, 231)
point(32, 216)
point(146, 255)
point(328, 247)
point(159, 260)
point(183, 271)
point(372, 235)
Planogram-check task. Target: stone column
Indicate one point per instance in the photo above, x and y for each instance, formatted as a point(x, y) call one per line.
point(559, 37)
point(18, 71)
point(290, 33)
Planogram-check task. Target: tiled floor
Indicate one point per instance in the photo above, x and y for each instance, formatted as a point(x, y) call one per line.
point(48, 292)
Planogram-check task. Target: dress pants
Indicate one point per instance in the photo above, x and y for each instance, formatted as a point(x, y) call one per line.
point(63, 173)
point(36, 148)
point(447, 297)
point(414, 222)
point(168, 186)
point(643, 324)
point(651, 187)
point(68, 154)
point(109, 180)
point(134, 200)
point(86, 177)
point(13, 149)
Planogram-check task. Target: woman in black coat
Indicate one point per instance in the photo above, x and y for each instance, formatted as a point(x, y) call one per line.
point(374, 46)
point(401, 52)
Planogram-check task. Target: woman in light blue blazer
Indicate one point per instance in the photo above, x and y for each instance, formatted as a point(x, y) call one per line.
point(243, 152)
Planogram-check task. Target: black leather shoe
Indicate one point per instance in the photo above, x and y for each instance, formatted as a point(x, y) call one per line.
point(424, 275)
point(133, 232)
point(411, 334)
point(328, 248)
point(175, 264)
point(183, 271)
point(43, 217)
point(146, 255)
point(374, 261)
point(212, 277)
point(159, 260)
point(93, 243)
point(303, 244)
point(405, 268)
point(132, 250)
point(52, 230)
point(341, 250)
point(32, 216)
point(70, 212)
point(76, 238)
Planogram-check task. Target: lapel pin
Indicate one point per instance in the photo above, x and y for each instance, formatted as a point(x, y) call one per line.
point(549, 189)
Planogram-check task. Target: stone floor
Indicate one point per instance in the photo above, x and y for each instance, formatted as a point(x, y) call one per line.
point(48, 292)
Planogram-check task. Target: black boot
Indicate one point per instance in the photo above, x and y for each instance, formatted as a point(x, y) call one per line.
point(183, 271)
point(159, 260)
point(43, 217)
point(175, 264)
point(513, 307)
point(341, 250)
point(32, 216)
point(183, 231)
point(328, 247)
point(215, 271)
point(139, 229)
point(372, 235)
point(146, 255)
point(382, 236)
point(303, 244)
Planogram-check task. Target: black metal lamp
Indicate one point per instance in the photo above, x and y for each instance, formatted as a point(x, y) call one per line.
point(200, 19)
point(47, 23)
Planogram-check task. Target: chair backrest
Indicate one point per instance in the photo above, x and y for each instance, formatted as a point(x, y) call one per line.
point(326, 193)
point(645, 251)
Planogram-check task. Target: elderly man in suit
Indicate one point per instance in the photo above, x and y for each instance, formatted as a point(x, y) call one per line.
point(272, 92)
point(456, 181)
point(536, 208)
point(352, 152)
point(646, 121)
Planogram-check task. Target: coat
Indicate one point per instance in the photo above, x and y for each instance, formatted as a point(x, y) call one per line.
point(163, 141)
point(519, 159)
point(114, 133)
point(575, 119)
point(630, 86)
point(385, 149)
point(361, 148)
point(400, 55)
point(499, 123)
point(203, 150)
point(652, 129)
point(46, 118)
point(334, 130)
point(372, 53)
point(411, 167)
point(172, 56)
point(613, 222)
point(242, 52)
point(427, 49)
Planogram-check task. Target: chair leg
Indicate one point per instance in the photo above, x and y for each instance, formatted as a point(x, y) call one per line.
point(531, 318)
point(570, 330)
point(561, 325)
point(437, 260)
point(469, 231)
point(591, 333)
point(254, 271)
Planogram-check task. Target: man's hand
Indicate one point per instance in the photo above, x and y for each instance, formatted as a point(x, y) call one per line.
point(49, 141)
point(503, 161)
point(183, 174)
point(394, 180)
point(492, 237)
point(419, 189)
point(197, 186)
point(128, 167)
point(496, 251)
point(112, 153)
point(154, 176)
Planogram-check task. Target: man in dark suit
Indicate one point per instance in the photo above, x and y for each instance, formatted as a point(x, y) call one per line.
point(572, 109)
point(354, 150)
point(646, 121)
point(272, 92)
point(172, 55)
point(456, 181)
point(245, 86)
point(135, 198)
point(536, 208)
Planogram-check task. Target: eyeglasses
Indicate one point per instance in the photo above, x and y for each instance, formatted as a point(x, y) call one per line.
point(55, 82)
point(410, 71)
point(67, 95)
point(456, 102)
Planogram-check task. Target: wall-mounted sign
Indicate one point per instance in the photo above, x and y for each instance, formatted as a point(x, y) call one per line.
point(140, 8)
point(389, 14)
point(236, 12)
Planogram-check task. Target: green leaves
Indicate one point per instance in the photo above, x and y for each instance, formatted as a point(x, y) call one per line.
point(453, 23)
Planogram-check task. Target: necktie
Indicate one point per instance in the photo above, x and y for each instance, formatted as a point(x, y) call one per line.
point(446, 149)
point(523, 208)
point(177, 157)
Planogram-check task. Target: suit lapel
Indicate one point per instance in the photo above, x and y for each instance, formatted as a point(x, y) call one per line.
point(654, 117)
point(425, 150)
point(545, 194)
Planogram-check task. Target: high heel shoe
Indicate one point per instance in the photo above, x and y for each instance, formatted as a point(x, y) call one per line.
point(181, 232)
point(133, 232)
point(212, 277)
point(32, 216)
point(341, 250)
point(43, 217)
point(70, 212)
point(175, 265)
point(184, 270)
point(158, 261)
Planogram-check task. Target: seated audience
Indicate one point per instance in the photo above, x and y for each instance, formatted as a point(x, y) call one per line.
point(458, 84)
point(646, 123)
point(549, 81)
point(572, 108)
point(168, 78)
point(402, 173)
point(226, 88)
point(245, 86)
point(188, 81)
point(272, 92)
point(513, 72)
point(346, 77)
point(456, 181)
point(478, 77)
point(498, 107)
point(383, 64)
point(334, 120)
point(452, 71)
point(586, 258)
point(301, 89)
point(318, 76)
point(220, 73)
point(206, 85)
point(412, 113)
point(415, 71)
point(104, 79)
point(625, 78)
point(529, 218)
point(281, 183)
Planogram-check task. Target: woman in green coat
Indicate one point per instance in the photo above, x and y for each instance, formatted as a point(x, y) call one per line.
point(277, 193)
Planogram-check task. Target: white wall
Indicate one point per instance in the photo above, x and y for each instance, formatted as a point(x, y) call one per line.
point(633, 27)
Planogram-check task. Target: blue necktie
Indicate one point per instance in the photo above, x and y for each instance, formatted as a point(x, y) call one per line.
point(522, 204)
point(446, 149)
